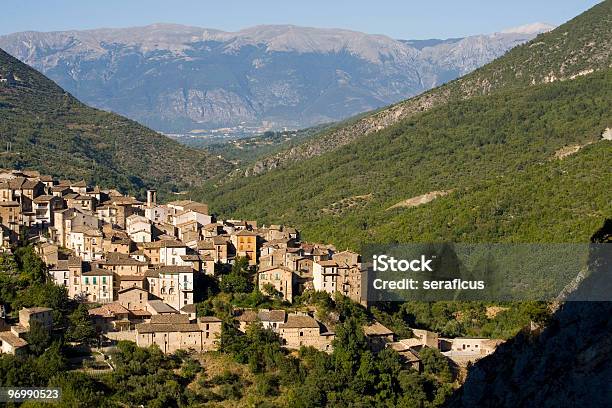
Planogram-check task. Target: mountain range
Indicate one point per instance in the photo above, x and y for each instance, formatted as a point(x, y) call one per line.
point(177, 78)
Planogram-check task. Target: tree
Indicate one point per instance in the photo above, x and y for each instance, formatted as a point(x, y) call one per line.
point(436, 364)
point(239, 279)
point(81, 328)
point(38, 338)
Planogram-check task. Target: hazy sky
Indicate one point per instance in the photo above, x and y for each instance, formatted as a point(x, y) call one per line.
point(408, 19)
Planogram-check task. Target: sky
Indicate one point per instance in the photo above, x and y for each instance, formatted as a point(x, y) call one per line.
point(408, 19)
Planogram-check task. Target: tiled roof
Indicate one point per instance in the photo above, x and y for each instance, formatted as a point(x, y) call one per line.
point(14, 341)
point(209, 319)
point(271, 315)
point(376, 329)
point(299, 322)
point(98, 272)
point(175, 269)
point(168, 319)
point(161, 307)
point(109, 310)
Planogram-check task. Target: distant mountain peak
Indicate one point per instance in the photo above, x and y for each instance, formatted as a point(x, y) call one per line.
point(533, 28)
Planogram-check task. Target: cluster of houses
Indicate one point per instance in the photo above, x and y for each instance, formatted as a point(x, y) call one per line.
point(143, 264)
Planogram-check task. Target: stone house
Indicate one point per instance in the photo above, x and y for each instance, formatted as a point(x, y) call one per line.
point(325, 276)
point(98, 285)
point(133, 298)
point(41, 315)
point(10, 218)
point(44, 208)
point(408, 357)
point(378, 336)
point(245, 244)
point(175, 332)
point(173, 284)
point(279, 277)
point(67, 272)
point(302, 330)
point(12, 344)
point(269, 319)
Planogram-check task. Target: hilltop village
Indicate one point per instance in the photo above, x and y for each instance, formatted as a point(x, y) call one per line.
point(143, 266)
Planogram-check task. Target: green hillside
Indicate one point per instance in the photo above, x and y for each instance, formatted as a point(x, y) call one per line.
point(49, 130)
point(496, 153)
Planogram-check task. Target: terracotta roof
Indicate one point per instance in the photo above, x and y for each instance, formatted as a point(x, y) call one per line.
point(273, 267)
point(140, 313)
point(219, 240)
point(206, 245)
point(108, 310)
point(247, 316)
point(14, 341)
point(81, 183)
point(64, 264)
point(299, 322)
point(132, 288)
point(191, 257)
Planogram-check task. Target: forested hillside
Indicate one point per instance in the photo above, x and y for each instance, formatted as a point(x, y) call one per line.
point(579, 47)
point(43, 127)
point(496, 156)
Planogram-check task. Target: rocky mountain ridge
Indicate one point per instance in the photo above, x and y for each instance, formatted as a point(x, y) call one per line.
point(177, 78)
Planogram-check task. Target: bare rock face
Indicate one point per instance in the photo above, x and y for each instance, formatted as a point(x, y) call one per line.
point(176, 78)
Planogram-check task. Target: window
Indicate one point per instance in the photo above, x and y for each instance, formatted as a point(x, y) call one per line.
point(104, 280)
point(87, 281)
point(95, 280)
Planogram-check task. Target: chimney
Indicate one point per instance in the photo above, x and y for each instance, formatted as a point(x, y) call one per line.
point(151, 198)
